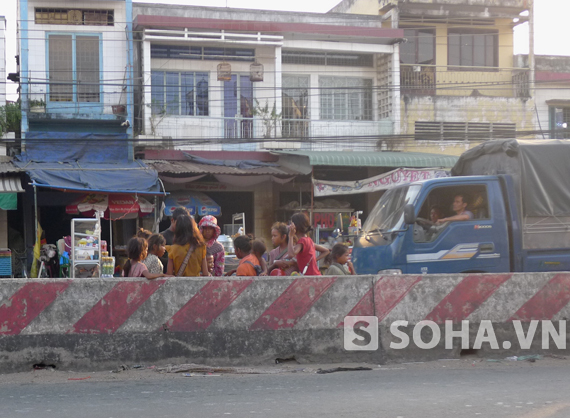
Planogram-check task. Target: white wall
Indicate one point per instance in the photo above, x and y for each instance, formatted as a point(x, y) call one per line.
point(114, 47)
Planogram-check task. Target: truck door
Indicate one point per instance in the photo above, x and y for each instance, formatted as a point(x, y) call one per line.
point(479, 244)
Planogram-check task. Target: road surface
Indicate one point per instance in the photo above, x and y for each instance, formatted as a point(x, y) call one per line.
point(440, 389)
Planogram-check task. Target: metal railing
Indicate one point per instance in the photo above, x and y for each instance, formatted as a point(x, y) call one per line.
point(209, 131)
point(432, 80)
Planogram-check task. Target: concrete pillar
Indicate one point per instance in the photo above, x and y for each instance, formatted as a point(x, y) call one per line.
point(278, 87)
point(263, 211)
point(396, 113)
point(146, 99)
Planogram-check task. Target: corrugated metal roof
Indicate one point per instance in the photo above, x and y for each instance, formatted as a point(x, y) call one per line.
point(6, 165)
point(11, 184)
point(187, 167)
point(375, 159)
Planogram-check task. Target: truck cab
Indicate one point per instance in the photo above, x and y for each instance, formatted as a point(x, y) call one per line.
point(399, 236)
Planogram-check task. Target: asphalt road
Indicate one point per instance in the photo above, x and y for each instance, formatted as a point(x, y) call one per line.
point(441, 389)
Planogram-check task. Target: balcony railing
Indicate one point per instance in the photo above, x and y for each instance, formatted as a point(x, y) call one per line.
point(211, 133)
point(106, 104)
point(431, 80)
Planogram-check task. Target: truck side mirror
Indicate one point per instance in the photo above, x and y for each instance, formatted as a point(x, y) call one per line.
point(409, 214)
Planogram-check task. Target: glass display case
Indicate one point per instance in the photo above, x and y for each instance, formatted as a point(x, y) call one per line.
point(85, 247)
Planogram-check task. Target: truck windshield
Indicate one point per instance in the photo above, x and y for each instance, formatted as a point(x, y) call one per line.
point(388, 214)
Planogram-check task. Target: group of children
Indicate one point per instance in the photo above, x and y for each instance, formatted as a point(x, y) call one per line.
point(195, 251)
point(192, 252)
point(294, 252)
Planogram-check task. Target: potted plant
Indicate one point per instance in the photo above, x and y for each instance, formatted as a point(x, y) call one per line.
point(269, 117)
point(119, 109)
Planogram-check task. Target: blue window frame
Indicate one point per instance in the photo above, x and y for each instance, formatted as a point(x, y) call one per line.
point(179, 93)
point(74, 69)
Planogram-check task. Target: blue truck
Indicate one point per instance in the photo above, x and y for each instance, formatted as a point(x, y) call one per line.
point(518, 193)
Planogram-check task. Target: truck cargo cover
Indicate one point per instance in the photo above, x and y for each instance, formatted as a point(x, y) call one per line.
point(540, 168)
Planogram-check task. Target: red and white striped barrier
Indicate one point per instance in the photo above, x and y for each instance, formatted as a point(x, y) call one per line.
point(245, 308)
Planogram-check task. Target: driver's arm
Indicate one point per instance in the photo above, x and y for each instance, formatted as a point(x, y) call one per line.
point(462, 217)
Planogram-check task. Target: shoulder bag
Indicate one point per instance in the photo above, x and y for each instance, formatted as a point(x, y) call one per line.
point(185, 262)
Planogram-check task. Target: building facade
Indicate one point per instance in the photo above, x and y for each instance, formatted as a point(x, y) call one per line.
point(291, 77)
point(76, 67)
point(552, 80)
point(76, 93)
point(459, 84)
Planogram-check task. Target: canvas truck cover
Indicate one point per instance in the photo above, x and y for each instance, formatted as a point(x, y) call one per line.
point(540, 168)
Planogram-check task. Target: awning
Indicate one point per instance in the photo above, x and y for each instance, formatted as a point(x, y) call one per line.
point(196, 202)
point(11, 184)
point(8, 201)
point(189, 167)
point(126, 177)
point(117, 204)
point(304, 160)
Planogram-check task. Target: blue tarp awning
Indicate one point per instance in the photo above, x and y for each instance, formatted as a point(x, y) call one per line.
point(196, 202)
point(123, 177)
point(75, 146)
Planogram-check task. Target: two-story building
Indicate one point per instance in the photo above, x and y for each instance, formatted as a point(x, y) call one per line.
point(76, 92)
point(459, 84)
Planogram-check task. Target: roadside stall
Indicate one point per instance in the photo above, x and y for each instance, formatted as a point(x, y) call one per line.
point(87, 247)
point(105, 192)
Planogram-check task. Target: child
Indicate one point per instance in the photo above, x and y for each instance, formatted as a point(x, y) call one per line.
point(258, 248)
point(134, 267)
point(211, 231)
point(187, 254)
point(144, 233)
point(338, 262)
point(210, 262)
point(305, 248)
point(248, 263)
point(156, 249)
point(279, 263)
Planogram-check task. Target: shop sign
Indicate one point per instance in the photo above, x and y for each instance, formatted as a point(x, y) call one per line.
point(324, 220)
point(381, 182)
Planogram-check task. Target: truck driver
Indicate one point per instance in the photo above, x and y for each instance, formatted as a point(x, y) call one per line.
point(460, 209)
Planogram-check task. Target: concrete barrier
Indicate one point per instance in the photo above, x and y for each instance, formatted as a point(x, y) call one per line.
point(100, 323)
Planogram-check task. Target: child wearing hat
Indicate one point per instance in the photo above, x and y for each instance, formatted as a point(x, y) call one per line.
point(211, 231)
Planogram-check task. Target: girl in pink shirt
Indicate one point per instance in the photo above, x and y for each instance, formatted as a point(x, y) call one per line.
point(305, 249)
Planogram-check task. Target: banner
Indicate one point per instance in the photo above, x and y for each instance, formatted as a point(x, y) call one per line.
point(381, 182)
